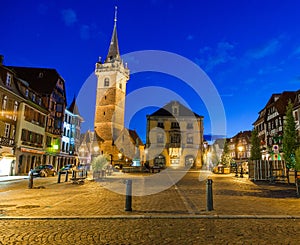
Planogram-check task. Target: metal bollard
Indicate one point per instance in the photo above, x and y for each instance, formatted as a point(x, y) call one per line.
point(58, 176)
point(241, 173)
point(209, 195)
point(128, 200)
point(67, 173)
point(30, 180)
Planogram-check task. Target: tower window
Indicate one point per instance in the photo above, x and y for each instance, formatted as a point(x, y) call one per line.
point(106, 82)
point(104, 113)
point(120, 85)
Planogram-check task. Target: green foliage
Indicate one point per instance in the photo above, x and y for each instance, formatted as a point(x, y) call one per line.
point(100, 162)
point(297, 156)
point(225, 158)
point(289, 137)
point(255, 146)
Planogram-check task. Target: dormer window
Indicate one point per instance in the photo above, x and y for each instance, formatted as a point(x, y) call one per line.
point(26, 92)
point(33, 97)
point(8, 80)
point(175, 109)
point(106, 82)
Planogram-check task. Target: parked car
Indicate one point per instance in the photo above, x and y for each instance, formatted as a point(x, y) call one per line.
point(44, 171)
point(66, 168)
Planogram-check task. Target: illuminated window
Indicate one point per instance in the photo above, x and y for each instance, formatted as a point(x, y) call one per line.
point(4, 103)
point(6, 130)
point(8, 80)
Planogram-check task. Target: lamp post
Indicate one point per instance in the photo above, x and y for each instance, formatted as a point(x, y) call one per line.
point(240, 149)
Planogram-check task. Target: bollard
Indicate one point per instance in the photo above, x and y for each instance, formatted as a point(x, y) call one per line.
point(241, 173)
point(67, 173)
point(236, 171)
point(128, 200)
point(58, 176)
point(30, 180)
point(209, 195)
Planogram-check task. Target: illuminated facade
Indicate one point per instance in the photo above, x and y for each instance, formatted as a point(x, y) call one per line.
point(174, 137)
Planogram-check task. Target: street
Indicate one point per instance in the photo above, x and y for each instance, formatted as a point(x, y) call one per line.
point(245, 212)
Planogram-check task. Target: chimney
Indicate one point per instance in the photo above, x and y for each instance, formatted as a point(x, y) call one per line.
point(1, 59)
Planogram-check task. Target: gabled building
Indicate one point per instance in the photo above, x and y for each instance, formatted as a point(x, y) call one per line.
point(131, 148)
point(71, 134)
point(270, 124)
point(240, 146)
point(10, 100)
point(27, 130)
point(174, 137)
point(89, 148)
point(51, 87)
point(296, 112)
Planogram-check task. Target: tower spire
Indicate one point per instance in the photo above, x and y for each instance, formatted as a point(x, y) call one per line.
point(116, 11)
point(113, 52)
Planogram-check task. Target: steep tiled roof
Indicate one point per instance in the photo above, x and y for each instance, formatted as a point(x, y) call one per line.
point(135, 137)
point(166, 111)
point(73, 107)
point(40, 79)
point(280, 101)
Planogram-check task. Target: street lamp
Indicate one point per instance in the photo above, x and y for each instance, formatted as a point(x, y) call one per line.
point(240, 149)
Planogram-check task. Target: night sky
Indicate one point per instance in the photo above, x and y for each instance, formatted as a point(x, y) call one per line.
point(248, 49)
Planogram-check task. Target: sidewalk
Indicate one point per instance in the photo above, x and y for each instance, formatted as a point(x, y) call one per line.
point(8, 178)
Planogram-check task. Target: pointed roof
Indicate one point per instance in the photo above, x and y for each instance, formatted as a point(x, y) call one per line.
point(167, 111)
point(113, 52)
point(73, 107)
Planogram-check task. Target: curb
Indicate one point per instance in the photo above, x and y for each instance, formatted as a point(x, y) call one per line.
point(113, 217)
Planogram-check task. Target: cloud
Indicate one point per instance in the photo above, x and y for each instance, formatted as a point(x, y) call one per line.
point(271, 47)
point(69, 16)
point(210, 58)
point(269, 69)
point(296, 53)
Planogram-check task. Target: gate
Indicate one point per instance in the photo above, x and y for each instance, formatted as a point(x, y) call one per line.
point(267, 170)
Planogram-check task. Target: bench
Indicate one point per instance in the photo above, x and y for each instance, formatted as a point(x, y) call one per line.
point(78, 180)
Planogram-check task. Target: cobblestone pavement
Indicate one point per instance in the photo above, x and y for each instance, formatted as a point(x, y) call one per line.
point(245, 212)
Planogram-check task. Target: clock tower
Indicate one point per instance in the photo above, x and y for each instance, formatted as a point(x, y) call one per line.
point(112, 76)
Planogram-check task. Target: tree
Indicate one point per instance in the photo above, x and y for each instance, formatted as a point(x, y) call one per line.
point(99, 163)
point(289, 140)
point(255, 146)
point(225, 158)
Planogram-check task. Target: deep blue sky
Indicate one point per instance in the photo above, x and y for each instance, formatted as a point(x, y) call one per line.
point(249, 49)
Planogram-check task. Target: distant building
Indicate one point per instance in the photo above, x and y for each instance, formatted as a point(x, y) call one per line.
point(89, 148)
point(174, 136)
point(240, 146)
point(270, 123)
point(71, 134)
point(296, 112)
